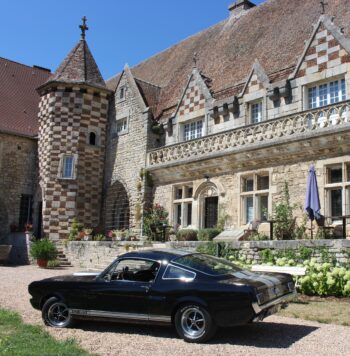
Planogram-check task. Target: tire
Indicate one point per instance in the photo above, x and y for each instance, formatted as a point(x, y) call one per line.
point(193, 323)
point(55, 313)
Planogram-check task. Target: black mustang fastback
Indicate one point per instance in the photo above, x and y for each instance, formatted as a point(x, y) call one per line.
point(195, 292)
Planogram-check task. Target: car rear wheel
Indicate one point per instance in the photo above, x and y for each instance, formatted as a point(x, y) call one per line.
point(193, 323)
point(56, 313)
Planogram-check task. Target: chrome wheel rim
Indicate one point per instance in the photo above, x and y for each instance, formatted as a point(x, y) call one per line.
point(193, 323)
point(58, 315)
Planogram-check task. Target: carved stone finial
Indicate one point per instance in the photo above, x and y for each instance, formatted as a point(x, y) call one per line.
point(83, 28)
point(323, 5)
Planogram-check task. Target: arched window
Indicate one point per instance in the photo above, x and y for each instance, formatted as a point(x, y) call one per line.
point(92, 139)
point(117, 208)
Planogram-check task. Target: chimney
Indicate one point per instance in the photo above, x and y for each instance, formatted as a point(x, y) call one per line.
point(240, 8)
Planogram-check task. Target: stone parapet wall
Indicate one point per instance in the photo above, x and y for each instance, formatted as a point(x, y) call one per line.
point(250, 250)
point(97, 255)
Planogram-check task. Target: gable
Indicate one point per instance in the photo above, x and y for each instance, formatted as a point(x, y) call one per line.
point(323, 52)
point(193, 99)
point(257, 80)
point(195, 95)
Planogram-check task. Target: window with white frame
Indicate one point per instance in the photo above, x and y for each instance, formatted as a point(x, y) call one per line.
point(256, 112)
point(337, 190)
point(67, 167)
point(122, 126)
point(326, 94)
point(183, 199)
point(255, 197)
point(193, 130)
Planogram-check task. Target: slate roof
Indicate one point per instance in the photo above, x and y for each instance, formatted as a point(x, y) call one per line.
point(19, 101)
point(79, 67)
point(273, 32)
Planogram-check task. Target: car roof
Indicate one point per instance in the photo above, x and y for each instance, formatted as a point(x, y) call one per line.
point(157, 254)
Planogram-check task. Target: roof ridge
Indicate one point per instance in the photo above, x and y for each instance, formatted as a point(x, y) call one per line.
point(145, 81)
point(25, 65)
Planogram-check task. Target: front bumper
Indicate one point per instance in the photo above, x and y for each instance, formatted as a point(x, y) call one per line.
point(35, 303)
point(284, 299)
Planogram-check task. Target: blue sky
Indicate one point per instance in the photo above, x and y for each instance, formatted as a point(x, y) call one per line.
point(42, 32)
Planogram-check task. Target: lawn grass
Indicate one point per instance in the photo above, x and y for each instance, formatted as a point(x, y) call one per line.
point(19, 339)
point(323, 310)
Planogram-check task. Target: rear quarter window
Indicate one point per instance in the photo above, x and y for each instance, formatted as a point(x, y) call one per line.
point(173, 272)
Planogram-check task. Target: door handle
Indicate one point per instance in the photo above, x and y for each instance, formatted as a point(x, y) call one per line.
point(146, 288)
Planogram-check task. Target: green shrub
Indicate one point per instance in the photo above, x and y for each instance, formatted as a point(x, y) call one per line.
point(208, 234)
point(187, 235)
point(53, 264)
point(75, 229)
point(267, 256)
point(208, 248)
point(153, 221)
point(43, 250)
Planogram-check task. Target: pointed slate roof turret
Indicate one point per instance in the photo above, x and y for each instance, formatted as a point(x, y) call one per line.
point(79, 67)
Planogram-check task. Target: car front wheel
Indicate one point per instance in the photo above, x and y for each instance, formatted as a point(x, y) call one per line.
point(56, 313)
point(193, 323)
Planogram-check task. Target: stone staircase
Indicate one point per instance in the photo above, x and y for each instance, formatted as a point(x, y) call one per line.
point(61, 256)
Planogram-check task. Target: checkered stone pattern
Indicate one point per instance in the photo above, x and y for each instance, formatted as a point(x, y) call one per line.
point(193, 99)
point(254, 84)
point(325, 52)
point(65, 120)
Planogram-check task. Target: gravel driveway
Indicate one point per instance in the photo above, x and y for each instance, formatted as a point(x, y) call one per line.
point(274, 336)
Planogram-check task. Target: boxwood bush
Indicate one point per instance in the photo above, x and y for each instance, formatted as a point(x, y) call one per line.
point(187, 235)
point(208, 234)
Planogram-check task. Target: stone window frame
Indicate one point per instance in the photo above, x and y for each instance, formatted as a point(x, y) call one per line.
point(121, 93)
point(317, 84)
point(344, 186)
point(124, 131)
point(60, 166)
point(97, 132)
point(256, 194)
point(182, 202)
point(189, 122)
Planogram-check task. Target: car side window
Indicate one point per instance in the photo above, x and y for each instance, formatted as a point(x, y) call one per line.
point(134, 270)
point(173, 272)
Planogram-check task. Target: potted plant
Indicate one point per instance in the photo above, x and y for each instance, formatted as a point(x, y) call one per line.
point(88, 233)
point(43, 251)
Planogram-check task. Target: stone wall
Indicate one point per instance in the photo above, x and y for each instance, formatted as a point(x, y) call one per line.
point(340, 249)
point(229, 190)
point(18, 175)
point(126, 154)
point(97, 255)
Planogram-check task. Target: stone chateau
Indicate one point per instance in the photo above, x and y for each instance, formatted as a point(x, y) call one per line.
point(210, 128)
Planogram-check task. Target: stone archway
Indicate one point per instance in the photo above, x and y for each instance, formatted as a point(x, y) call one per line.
point(208, 204)
point(117, 213)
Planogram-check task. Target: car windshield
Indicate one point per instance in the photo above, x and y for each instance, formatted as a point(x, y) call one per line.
point(207, 264)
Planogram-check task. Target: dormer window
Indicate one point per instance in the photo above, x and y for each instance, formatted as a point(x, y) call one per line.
point(256, 112)
point(193, 130)
point(326, 94)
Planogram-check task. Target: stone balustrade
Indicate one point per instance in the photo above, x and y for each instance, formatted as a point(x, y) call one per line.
point(296, 126)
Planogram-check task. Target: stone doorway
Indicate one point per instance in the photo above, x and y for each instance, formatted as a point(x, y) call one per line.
point(211, 205)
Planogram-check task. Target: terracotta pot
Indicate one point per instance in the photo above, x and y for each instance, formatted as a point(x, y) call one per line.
point(42, 263)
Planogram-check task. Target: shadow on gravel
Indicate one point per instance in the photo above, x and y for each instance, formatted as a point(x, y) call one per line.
point(263, 335)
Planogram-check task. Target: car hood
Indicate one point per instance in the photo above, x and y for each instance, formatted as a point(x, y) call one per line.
point(257, 280)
